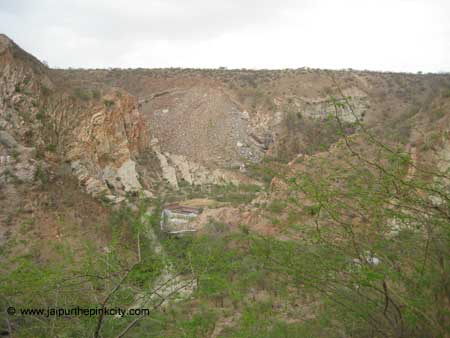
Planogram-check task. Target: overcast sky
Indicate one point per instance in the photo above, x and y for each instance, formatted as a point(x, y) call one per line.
point(396, 35)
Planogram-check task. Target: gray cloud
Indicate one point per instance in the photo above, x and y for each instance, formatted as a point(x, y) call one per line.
point(237, 33)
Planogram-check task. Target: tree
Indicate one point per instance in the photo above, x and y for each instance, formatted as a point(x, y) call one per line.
point(375, 230)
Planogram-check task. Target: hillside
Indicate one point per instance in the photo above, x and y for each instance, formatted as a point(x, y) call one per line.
point(90, 157)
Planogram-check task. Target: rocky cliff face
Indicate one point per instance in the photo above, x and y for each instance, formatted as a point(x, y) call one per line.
point(22, 80)
point(104, 145)
point(99, 134)
point(192, 126)
point(99, 139)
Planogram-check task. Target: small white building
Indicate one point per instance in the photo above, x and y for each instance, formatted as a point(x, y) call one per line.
point(177, 219)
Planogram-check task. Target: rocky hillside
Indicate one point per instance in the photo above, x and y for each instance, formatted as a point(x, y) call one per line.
point(89, 155)
point(254, 113)
point(124, 131)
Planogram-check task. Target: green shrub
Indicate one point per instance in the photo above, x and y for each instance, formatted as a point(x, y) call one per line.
point(82, 94)
point(41, 175)
point(40, 115)
point(108, 103)
point(276, 206)
point(45, 90)
point(51, 147)
point(96, 94)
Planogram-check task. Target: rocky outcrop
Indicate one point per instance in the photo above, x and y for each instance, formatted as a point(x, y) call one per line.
point(177, 169)
point(20, 93)
point(322, 107)
point(17, 162)
point(21, 81)
point(104, 146)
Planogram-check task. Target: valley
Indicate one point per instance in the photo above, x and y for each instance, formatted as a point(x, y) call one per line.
point(231, 203)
